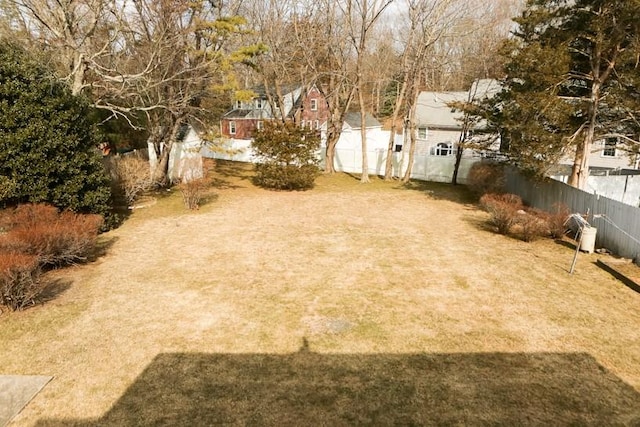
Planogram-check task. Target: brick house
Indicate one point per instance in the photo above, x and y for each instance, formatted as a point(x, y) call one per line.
point(305, 107)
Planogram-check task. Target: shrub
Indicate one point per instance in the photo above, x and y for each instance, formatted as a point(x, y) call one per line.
point(533, 224)
point(54, 238)
point(486, 178)
point(288, 156)
point(557, 220)
point(132, 176)
point(20, 283)
point(48, 139)
point(286, 177)
point(193, 192)
point(503, 209)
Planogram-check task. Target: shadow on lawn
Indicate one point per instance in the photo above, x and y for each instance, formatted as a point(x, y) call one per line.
point(225, 174)
point(443, 191)
point(307, 388)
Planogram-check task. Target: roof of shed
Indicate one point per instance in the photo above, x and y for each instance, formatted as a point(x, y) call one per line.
point(353, 120)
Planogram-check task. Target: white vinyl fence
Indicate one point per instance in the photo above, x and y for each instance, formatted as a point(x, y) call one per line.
point(348, 157)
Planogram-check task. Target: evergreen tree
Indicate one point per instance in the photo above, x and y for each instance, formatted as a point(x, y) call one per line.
point(572, 74)
point(47, 140)
point(288, 156)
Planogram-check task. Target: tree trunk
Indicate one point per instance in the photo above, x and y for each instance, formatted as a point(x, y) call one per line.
point(161, 172)
point(580, 168)
point(456, 167)
point(79, 72)
point(388, 172)
point(330, 153)
point(364, 178)
point(412, 151)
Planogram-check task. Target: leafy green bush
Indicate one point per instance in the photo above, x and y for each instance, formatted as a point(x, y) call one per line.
point(47, 140)
point(288, 156)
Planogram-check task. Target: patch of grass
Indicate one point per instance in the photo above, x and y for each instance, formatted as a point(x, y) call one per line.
point(401, 299)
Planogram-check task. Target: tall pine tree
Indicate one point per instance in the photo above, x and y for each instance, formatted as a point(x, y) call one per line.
point(571, 77)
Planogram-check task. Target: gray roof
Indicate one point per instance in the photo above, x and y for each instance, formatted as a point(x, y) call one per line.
point(353, 120)
point(240, 113)
point(432, 110)
point(484, 88)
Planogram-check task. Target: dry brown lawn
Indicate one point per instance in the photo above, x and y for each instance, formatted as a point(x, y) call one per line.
point(347, 304)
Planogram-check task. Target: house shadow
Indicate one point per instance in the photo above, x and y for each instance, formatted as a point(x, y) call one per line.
point(307, 388)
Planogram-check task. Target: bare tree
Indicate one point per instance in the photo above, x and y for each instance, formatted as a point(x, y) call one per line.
point(331, 64)
point(158, 58)
point(361, 16)
point(75, 32)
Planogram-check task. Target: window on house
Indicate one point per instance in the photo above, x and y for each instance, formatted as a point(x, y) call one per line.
point(259, 104)
point(314, 104)
point(443, 149)
point(422, 133)
point(397, 148)
point(238, 104)
point(232, 128)
point(259, 125)
point(317, 124)
point(610, 147)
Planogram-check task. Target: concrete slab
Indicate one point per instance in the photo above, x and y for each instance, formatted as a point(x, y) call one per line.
point(16, 391)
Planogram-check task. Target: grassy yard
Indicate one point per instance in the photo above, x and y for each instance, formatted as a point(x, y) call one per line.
point(347, 304)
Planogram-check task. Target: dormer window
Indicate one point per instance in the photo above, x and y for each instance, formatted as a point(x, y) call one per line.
point(259, 104)
point(238, 104)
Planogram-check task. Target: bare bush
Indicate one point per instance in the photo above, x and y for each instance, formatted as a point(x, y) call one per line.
point(132, 175)
point(503, 209)
point(192, 192)
point(557, 219)
point(533, 224)
point(54, 238)
point(486, 178)
point(20, 283)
